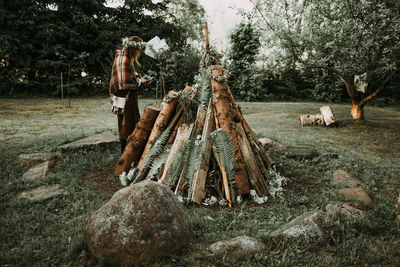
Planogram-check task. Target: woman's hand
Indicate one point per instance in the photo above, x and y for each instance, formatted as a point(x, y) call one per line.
point(143, 80)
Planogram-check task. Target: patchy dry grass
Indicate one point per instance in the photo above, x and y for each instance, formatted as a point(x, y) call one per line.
point(50, 233)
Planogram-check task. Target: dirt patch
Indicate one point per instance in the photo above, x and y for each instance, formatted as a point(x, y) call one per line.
point(104, 182)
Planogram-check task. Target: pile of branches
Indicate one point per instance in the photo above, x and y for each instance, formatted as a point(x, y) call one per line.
point(197, 143)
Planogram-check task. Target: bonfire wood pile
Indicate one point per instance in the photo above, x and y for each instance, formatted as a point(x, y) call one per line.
point(194, 147)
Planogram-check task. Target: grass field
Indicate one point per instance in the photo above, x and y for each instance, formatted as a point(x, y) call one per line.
point(50, 233)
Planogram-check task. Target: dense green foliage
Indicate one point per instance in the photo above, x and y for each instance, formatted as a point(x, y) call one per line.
point(41, 39)
point(327, 41)
point(311, 49)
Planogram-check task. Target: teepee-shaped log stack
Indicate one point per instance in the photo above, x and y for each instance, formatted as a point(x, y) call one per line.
point(216, 148)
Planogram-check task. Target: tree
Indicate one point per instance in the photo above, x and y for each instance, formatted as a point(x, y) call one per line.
point(242, 56)
point(39, 39)
point(345, 37)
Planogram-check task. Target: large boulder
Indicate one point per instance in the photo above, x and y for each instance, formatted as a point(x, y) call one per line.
point(139, 222)
point(237, 248)
point(312, 226)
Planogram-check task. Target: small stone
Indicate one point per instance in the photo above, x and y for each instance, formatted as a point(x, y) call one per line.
point(101, 139)
point(397, 208)
point(38, 157)
point(313, 226)
point(37, 172)
point(345, 178)
point(238, 247)
point(325, 156)
point(43, 192)
point(356, 194)
point(345, 210)
point(298, 152)
point(266, 142)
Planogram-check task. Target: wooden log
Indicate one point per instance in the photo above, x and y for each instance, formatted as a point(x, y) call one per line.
point(174, 131)
point(260, 158)
point(200, 176)
point(225, 183)
point(255, 176)
point(197, 129)
point(249, 132)
point(168, 107)
point(311, 120)
point(137, 140)
point(183, 134)
point(224, 114)
point(328, 115)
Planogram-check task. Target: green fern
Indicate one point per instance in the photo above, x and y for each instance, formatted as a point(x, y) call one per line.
point(193, 161)
point(176, 167)
point(225, 155)
point(156, 149)
point(158, 162)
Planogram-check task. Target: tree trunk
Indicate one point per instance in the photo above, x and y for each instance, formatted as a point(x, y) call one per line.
point(225, 116)
point(357, 110)
point(137, 140)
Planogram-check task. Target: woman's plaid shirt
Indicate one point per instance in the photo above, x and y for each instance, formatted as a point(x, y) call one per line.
point(122, 75)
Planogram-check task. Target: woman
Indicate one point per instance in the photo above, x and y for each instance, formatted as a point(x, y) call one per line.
point(124, 83)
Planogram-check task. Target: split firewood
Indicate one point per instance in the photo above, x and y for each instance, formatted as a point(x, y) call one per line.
point(168, 107)
point(183, 134)
point(200, 176)
point(176, 127)
point(250, 133)
point(255, 176)
point(225, 188)
point(328, 115)
point(137, 140)
point(225, 119)
point(198, 128)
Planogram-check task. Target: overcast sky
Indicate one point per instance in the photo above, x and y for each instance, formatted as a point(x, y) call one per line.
point(221, 17)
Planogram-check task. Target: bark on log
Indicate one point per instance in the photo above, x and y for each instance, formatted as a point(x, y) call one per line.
point(328, 115)
point(255, 176)
point(172, 137)
point(249, 132)
point(137, 140)
point(168, 107)
point(311, 120)
point(183, 134)
point(200, 176)
point(224, 114)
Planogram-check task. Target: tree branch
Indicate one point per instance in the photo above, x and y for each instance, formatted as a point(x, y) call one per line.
point(380, 88)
